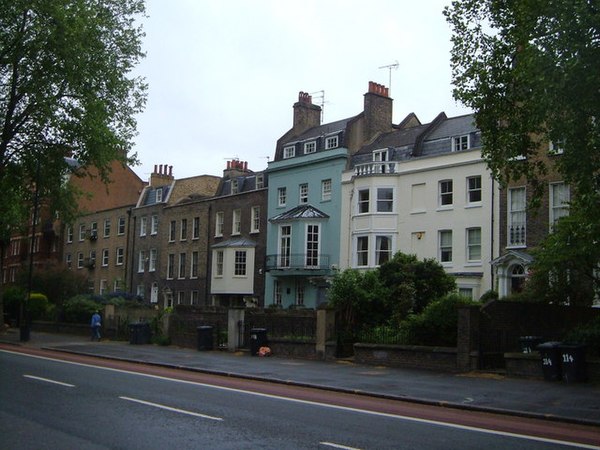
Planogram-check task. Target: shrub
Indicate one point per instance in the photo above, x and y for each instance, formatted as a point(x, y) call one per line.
point(38, 306)
point(12, 298)
point(436, 325)
point(588, 334)
point(80, 308)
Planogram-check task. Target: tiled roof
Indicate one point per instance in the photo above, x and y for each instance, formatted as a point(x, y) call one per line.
point(236, 242)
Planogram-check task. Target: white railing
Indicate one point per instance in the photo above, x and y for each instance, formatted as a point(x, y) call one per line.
point(375, 168)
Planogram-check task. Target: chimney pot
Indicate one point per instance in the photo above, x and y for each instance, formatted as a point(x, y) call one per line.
point(170, 171)
point(228, 164)
point(160, 169)
point(155, 168)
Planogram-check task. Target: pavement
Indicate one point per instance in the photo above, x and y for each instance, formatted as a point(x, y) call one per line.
point(478, 391)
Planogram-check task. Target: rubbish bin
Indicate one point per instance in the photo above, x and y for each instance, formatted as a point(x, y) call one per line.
point(139, 333)
point(550, 360)
point(205, 337)
point(572, 359)
point(529, 344)
point(258, 339)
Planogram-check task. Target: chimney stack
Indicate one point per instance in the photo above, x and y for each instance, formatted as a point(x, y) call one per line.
point(377, 111)
point(162, 175)
point(236, 168)
point(306, 115)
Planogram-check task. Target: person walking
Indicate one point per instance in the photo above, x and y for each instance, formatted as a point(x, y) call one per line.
point(96, 324)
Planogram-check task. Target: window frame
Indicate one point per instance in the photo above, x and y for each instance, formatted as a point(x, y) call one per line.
point(461, 142)
point(385, 201)
point(154, 224)
point(326, 190)
point(474, 190)
point(281, 196)
point(363, 205)
point(172, 230)
point(445, 248)
point(236, 222)
point(289, 151)
point(512, 221)
point(255, 219)
point(303, 194)
point(141, 261)
point(331, 142)
point(107, 228)
point(240, 264)
point(194, 264)
point(219, 263)
point(121, 224)
point(196, 228)
point(143, 226)
point(473, 245)
point(362, 251)
point(443, 195)
point(219, 223)
point(153, 259)
point(310, 147)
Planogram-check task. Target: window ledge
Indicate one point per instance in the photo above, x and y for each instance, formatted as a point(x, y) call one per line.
point(473, 205)
point(445, 208)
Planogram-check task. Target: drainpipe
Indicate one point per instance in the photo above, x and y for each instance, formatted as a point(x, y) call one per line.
point(131, 237)
point(208, 257)
point(492, 234)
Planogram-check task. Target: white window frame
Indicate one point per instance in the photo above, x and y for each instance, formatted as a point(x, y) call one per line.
point(284, 246)
point(517, 217)
point(154, 224)
point(69, 234)
point(363, 205)
point(388, 202)
point(153, 260)
point(82, 232)
point(103, 287)
point(80, 260)
point(183, 230)
point(121, 226)
point(143, 225)
point(555, 210)
point(255, 219)
point(196, 228)
point(219, 263)
point(326, 190)
point(260, 181)
point(472, 245)
point(443, 194)
point(240, 265)
point(379, 253)
point(474, 190)
point(236, 222)
point(289, 151)
point(106, 228)
point(445, 247)
point(105, 257)
point(462, 142)
point(159, 195)
point(172, 230)
point(312, 245)
point(120, 256)
point(219, 223)
point(310, 147)
point(281, 196)
point(141, 261)
point(331, 142)
point(362, 253)
point(303, 193)
point(234, 186)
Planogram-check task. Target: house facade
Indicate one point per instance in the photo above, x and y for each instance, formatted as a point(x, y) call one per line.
point(305, 200)
point(237, 237)
point(523, 227)
point(423, 190)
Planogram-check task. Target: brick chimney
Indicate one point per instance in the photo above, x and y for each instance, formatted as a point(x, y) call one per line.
point(306, 115)
point(162, 175)
point(236, 168)
point(377, 110)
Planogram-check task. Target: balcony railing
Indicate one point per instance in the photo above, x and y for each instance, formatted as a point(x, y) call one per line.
point(297, 261)
point(375, 168)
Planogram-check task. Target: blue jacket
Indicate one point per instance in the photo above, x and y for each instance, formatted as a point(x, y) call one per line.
point(95, 320)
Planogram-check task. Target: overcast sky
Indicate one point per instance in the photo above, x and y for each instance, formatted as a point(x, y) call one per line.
point(223, 75)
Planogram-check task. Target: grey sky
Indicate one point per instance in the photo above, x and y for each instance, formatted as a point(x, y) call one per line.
point(223, 75)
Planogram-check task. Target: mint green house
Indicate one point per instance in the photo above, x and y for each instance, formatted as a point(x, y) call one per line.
point(305, 197)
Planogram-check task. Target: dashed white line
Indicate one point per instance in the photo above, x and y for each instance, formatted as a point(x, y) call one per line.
point(169, 408)
point(331, 444)
point(47, 380)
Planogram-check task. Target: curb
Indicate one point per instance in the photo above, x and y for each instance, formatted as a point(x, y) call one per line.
point(416, 400)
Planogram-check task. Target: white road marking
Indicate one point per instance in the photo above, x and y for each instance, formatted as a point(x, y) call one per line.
point(169, 408)
point(324, 405)
point(331, 444)
point(47, 380)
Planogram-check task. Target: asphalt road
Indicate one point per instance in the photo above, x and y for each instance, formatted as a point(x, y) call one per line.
point(46, 403)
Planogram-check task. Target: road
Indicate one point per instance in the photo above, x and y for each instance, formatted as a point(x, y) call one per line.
point(89, 403)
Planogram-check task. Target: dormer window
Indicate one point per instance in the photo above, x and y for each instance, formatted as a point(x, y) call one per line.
point(159, 195)
point(380, 155)
point(310, 147)
point(331, 142)
point(234, 186)
point(289, 152)
point(260, 181)
point(460, 143)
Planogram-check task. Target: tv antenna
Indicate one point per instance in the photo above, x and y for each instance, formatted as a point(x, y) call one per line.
point(320, 100)
point(389, 67)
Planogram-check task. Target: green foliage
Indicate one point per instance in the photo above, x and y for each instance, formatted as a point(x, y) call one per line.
point(66, 89)
point(488, 296)
point(79, 309)
point(38, 306)
point(359, 298)
point(12, 297)
point(530, 71)
point(436, 325)
point(588, 334)
point(59, 283)
point(412, 284)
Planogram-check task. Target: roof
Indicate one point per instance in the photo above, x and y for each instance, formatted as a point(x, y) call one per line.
point(511, 255)
point(300, 212)
point(321, 130)
point(236, 242)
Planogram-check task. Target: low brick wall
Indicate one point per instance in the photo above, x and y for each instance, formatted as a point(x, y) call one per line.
point(288, 348)
point(410, 356)
point(529, 365)
point(61, 327)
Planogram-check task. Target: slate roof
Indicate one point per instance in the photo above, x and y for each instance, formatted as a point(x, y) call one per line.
point(322, 130)
point(236, 242)
point(299, 212)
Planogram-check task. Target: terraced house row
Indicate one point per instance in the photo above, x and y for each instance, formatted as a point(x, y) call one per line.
point(349, 193)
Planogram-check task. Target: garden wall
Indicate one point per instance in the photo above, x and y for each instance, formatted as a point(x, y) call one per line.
point(409, 356)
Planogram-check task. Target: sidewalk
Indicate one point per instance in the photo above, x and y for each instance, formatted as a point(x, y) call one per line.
point(578, 403)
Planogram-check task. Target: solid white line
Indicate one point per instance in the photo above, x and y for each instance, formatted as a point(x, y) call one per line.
point(169, 408)
point(47, 380)
point(325, 405)
point(331, 444)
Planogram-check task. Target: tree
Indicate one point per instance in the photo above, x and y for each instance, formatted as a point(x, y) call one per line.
point(531, 73)
point(66, 89)
point(412, 284)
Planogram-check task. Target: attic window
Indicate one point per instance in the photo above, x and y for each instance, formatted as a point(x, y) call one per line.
point(159, 195)
point(460, 143)
point(260, 183)
point(289, 152)
point(234, 186)
point(331, 142)
point(310, 147)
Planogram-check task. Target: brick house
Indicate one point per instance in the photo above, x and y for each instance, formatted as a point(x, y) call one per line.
point(237, 237)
